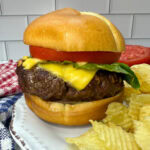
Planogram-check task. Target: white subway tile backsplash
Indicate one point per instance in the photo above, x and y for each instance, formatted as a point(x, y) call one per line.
point(100, 6)
point(23, 7)
point(130, 6)
point(123, 23)
point(2, 51)
point(141, 26)
point(76, 4)
point(144, 42)
point(16, 50)
point(31, 18)
point(12, 28)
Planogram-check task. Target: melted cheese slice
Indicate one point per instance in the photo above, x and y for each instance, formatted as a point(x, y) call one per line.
point(77, 78)
point(30, 62)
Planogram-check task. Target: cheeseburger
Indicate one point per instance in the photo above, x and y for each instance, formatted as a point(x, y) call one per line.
point(72, 74)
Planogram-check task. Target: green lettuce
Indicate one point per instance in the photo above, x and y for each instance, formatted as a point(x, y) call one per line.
point(127, 74)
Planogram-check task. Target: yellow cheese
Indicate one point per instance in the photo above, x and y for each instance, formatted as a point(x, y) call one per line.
point(30, 62)
point(77, 78)
point(25, 57)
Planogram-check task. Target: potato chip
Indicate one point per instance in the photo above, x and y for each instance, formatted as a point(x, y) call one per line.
point(144, 112)
point(115, 105)
point(88, 141)
point(128, 91)
point(142, 134)
point(136, 102)
point(72, 147)
point(115, 137)
point(117, 114)
point(147, 122)
point(142, 72)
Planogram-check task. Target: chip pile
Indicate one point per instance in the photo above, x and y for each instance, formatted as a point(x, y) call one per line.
point(126, 126)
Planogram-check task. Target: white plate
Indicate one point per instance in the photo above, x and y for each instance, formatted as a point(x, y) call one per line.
point(32, 133)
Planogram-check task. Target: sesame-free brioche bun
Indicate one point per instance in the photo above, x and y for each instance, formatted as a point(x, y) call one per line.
point(70, 30)
point(69, 114)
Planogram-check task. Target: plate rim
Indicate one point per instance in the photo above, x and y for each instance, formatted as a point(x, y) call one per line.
point(22, 144)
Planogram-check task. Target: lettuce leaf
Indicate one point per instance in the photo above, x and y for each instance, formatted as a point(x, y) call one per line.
point(127, 74)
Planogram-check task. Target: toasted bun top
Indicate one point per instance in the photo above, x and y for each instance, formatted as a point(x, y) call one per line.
point(70, 30)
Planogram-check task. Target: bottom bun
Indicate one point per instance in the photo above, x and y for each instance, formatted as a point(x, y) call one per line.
point(69, 114)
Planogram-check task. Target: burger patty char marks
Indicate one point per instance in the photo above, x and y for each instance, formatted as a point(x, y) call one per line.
point(47, 86)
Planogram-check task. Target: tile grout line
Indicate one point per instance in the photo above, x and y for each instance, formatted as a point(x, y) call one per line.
point(54, 4)
point(27, 20)
point(138, 38)
point(132, 26)
point(0, 7)
point(11, 40)
point(6, 50)
point(21, 15)
point(109, 7)
point(126, 13)
point(100, 13)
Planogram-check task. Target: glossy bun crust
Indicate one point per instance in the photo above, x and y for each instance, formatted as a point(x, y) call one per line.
point(67, 114)
point(70, 30)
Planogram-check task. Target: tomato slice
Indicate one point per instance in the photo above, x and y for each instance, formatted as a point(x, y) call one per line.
point(92, 57)
point(135, 54)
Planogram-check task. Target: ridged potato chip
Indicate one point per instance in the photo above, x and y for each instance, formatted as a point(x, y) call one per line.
point(142, 72)
point(136, 102)
point(112, 107)
point(144, 112)
point(117, 114)
point(146, 122)
point(128, 91)
point(142, 134)
point(115, 137)
point(88, 141)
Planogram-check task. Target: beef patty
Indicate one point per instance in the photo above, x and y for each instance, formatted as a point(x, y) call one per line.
point(39, 82)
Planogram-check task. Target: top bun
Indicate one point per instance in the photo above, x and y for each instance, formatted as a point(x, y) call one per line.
point(70, 30)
